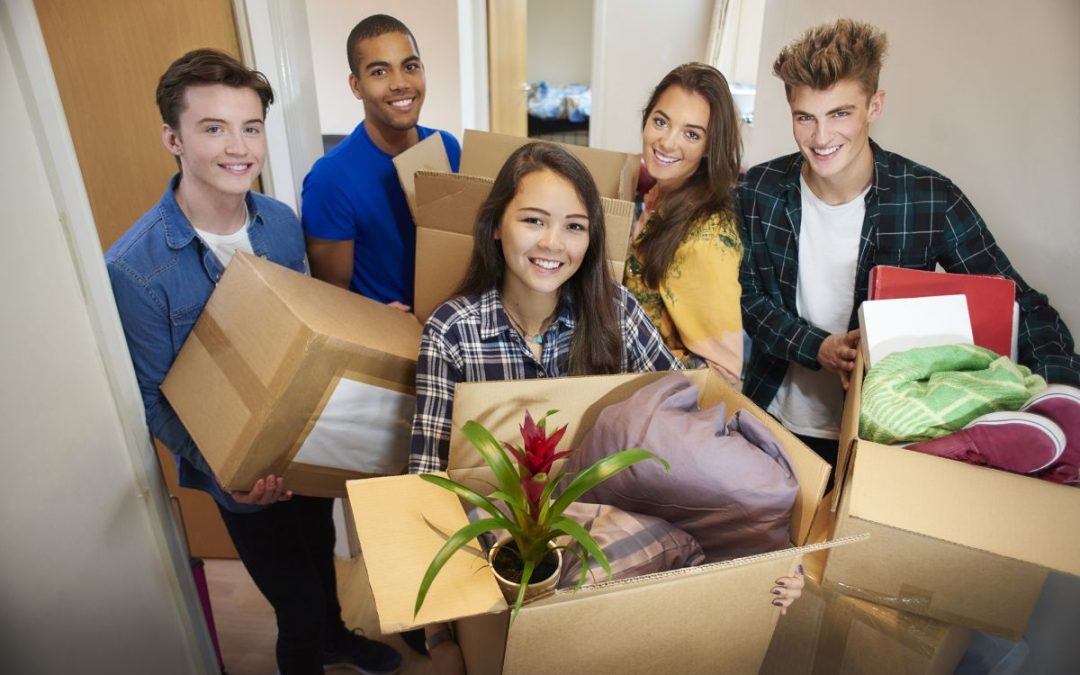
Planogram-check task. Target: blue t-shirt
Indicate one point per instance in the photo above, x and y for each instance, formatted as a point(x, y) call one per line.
point(353, 193)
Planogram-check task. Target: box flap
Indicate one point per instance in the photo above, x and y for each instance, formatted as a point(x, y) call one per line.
point(402, 521)
point(978, 507)
point(849, 428)
point(449, 201)
point(615, 173)
point(427, 155)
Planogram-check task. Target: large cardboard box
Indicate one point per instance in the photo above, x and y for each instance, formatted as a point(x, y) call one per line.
point(287, 375)
point(708, 619)
point(445, 204)
point(827, 633)
point(959, 543)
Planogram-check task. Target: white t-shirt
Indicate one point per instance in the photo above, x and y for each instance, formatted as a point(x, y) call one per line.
point(225, 246)
point(811, 402)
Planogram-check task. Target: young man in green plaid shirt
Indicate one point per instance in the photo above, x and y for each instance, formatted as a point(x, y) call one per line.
point(816, 222)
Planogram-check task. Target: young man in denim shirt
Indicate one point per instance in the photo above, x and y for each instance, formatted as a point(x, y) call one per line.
point(163, 271)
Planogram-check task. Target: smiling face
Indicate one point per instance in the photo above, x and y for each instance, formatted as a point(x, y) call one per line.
point(390, 83)
point(544, 234)
point(674, 139)
point(219, 140)
point(832, 128)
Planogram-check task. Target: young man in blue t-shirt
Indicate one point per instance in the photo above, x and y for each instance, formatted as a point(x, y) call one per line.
point(360, 234)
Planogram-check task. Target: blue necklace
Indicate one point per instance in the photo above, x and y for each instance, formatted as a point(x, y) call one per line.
point(538, 338)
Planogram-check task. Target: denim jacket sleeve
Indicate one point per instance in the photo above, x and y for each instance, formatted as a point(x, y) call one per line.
point(148, 333)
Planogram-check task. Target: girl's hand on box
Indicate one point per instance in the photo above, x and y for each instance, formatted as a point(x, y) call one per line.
point(265, 491)
point(788, 590)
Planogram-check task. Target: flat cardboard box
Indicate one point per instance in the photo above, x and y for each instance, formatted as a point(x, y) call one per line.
point(268, 367)
point(959, 543)
point(827, 633)
point(707, 619)
point(445, 204)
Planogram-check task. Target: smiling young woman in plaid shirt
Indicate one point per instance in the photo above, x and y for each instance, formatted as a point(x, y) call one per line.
point(798, 252)
point(538, 300)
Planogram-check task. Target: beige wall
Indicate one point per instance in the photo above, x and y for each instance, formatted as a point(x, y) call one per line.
point(560, 41)
point(637, 43)
point(984, 91)
point(86, 579)
point(435, 25)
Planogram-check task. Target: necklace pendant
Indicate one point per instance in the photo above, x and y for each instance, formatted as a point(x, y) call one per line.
point(539, 339)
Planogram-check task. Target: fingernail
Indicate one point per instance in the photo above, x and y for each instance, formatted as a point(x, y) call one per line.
point(780, 582)
point(777, 603)
point(776, 591)
point(800, 570)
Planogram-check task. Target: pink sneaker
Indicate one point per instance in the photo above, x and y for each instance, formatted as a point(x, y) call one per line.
point(1061, 404)
point(1014, 441)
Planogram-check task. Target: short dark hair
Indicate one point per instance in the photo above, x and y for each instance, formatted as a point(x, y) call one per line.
point(596, 347)
point(373, 26)
point(831, 52)
point(203, 67)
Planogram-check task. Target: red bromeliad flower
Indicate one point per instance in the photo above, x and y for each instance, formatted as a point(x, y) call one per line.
point(539, 452)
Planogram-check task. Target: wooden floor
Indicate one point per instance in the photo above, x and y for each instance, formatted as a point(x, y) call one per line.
point(245, 622)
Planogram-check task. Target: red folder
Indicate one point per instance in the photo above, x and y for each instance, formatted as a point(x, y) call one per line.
point(989, 298)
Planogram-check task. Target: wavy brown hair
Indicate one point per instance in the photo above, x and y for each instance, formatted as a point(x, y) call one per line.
point(711, 188)
point(596, 347)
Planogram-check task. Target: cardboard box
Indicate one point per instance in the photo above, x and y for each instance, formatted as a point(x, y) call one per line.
point(713, 618)
point(827, 633)
point(959, 543)
point(445, 204)
point(287, 375)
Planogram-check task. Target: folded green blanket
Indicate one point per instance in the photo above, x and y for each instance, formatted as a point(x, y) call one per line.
point(925, 393)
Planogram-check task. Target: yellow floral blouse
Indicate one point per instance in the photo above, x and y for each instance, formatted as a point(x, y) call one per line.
point(696, 309)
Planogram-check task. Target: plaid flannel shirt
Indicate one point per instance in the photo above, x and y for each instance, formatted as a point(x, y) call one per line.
point(469, 339)
point(915, 218)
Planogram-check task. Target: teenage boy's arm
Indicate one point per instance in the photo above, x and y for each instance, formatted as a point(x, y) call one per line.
point(1045, 344)
point(779, 332)
point(149, 338)
point(329, 228)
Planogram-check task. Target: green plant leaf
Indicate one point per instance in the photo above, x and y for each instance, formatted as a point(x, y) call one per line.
point(457, 540)
point(582, 536)
point(495, 457)
point(526, 576)
point(469, 495)
point(599, 472)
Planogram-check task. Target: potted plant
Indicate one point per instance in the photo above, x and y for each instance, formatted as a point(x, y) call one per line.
point(530, 516)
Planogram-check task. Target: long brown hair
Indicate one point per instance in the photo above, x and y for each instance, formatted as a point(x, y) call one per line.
point(710, 189)
point(596, 347)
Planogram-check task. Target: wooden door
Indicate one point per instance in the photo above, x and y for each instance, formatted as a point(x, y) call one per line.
point(507, 66)
point(107, 56)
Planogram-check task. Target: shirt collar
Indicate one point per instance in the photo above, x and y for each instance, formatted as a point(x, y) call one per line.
point(179, 231)
point(493, 318)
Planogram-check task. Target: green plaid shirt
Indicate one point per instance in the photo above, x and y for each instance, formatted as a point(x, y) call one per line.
point(915, 218)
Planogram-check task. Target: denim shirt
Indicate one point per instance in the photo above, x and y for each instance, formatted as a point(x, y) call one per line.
point(162, 275)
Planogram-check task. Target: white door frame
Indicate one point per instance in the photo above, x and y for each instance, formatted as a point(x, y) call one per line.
point(18, 20)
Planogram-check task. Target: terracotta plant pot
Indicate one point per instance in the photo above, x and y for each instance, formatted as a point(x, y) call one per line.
point(537, 587)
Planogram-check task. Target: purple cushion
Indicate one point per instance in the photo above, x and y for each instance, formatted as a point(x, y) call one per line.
point(732, 490)
point(633, 543)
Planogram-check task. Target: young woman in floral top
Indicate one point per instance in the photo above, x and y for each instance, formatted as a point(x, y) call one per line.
point(683, 266)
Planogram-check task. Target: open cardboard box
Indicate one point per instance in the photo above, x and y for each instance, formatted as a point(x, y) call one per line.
point(827, 633)
point(706, 619)
point(960, 543)
point(288, 375)
point(445, 204)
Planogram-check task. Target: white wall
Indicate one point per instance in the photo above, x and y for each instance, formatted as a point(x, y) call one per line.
point(435, 25)
point(89, 579)
point(984, 91)
point(560, 41)
point(637, 42)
